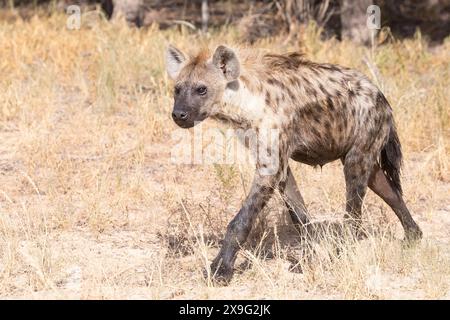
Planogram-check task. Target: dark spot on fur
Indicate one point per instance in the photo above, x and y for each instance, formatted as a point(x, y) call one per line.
point(285, 61)
point(275, 82)
point(291, 94)
point(330, 104)
point(316, 71)
point(316, 118)
point(323, 90)
point(315, 132)
point(330, 67)
point(277, 100)
point(311, 92)
point(306, 82)
point(293, 80)
point(308, 111)
point(268, 98)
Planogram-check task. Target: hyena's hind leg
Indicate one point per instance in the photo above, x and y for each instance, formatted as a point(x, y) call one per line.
point(294, 201)
point(296, 207)
point(380, 184)
point(357, 169)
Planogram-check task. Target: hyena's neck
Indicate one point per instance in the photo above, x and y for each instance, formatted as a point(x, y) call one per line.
point(240, 106)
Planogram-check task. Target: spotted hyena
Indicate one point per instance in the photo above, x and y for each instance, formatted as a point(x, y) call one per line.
point(323, 112)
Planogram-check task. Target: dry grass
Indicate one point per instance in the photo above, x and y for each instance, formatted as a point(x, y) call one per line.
point(91, 206)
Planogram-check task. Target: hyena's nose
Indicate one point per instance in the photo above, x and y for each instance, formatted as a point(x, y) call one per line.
point(179, 115)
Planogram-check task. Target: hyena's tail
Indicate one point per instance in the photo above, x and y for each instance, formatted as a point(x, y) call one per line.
point(391, 159)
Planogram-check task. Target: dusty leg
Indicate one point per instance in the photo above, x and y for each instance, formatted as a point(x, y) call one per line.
point(381, 186)
point(239, 228)
point(357, 168)
point(294, 201)
point(237, 232)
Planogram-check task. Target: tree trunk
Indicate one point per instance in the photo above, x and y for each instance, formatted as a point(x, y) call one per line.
point(205, 16)
point(131, 10)
point(108, 7)
point(354, 20)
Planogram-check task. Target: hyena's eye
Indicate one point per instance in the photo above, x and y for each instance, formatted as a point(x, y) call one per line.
point(176, 90)
point(201, 90)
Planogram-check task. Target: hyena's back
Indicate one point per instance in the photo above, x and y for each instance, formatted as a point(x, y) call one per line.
point(340, 111)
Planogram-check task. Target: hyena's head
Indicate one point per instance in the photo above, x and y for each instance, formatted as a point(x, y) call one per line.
point(200, 82)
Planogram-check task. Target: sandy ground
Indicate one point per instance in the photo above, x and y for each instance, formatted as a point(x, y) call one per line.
point(136, 261)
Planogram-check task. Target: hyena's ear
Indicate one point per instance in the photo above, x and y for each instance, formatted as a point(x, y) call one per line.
point(225, 59)
point(174, 61)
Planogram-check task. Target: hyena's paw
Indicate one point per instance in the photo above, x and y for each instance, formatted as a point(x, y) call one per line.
point(413, 236)
point(219, 274)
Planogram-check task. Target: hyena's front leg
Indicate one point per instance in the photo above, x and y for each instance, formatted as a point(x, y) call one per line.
point(239, 228)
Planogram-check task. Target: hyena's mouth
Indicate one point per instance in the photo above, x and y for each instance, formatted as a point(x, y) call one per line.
point(185, 124)
point(191, 121)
